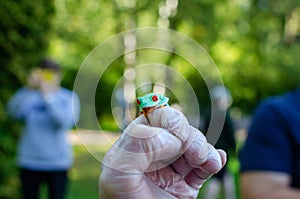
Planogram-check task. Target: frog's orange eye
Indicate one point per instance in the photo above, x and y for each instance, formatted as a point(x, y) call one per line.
point(138, 101)
point(154, 98)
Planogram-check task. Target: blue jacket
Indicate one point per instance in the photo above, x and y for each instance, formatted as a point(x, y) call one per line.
point(47, 119)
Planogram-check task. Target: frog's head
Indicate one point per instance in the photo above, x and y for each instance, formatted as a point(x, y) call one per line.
point(152, 100)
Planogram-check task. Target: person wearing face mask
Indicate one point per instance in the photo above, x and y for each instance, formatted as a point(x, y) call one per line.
point(47, 112)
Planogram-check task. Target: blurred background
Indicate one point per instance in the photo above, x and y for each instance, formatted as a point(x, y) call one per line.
point(254, 43)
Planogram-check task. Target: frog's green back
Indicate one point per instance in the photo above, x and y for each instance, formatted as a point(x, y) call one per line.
point(152, 99)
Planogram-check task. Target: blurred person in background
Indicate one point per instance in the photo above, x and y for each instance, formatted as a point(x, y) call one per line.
point(270, 158)
point(223, 180)
point(47, 112)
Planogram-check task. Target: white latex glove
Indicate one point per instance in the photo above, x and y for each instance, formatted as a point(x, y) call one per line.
point(169, 159)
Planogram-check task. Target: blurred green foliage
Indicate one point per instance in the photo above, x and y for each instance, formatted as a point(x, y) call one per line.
point(251, 42)
point(248, 42)
point(254, 43)
point(25, 26)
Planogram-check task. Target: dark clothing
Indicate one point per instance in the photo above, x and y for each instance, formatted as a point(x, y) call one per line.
point(273, 142)
point(56, 182)
point(226, 141)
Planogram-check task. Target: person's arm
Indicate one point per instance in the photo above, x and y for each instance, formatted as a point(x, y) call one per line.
point(20, 104)
point(64, 108)
point(142, 164)
point(267, 185)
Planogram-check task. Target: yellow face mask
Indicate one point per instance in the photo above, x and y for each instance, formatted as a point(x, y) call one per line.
point(47, 74)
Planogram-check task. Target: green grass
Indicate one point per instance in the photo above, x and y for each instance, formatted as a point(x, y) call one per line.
point(84, 175)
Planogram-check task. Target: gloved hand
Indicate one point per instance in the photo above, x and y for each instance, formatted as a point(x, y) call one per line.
point(167, 158)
